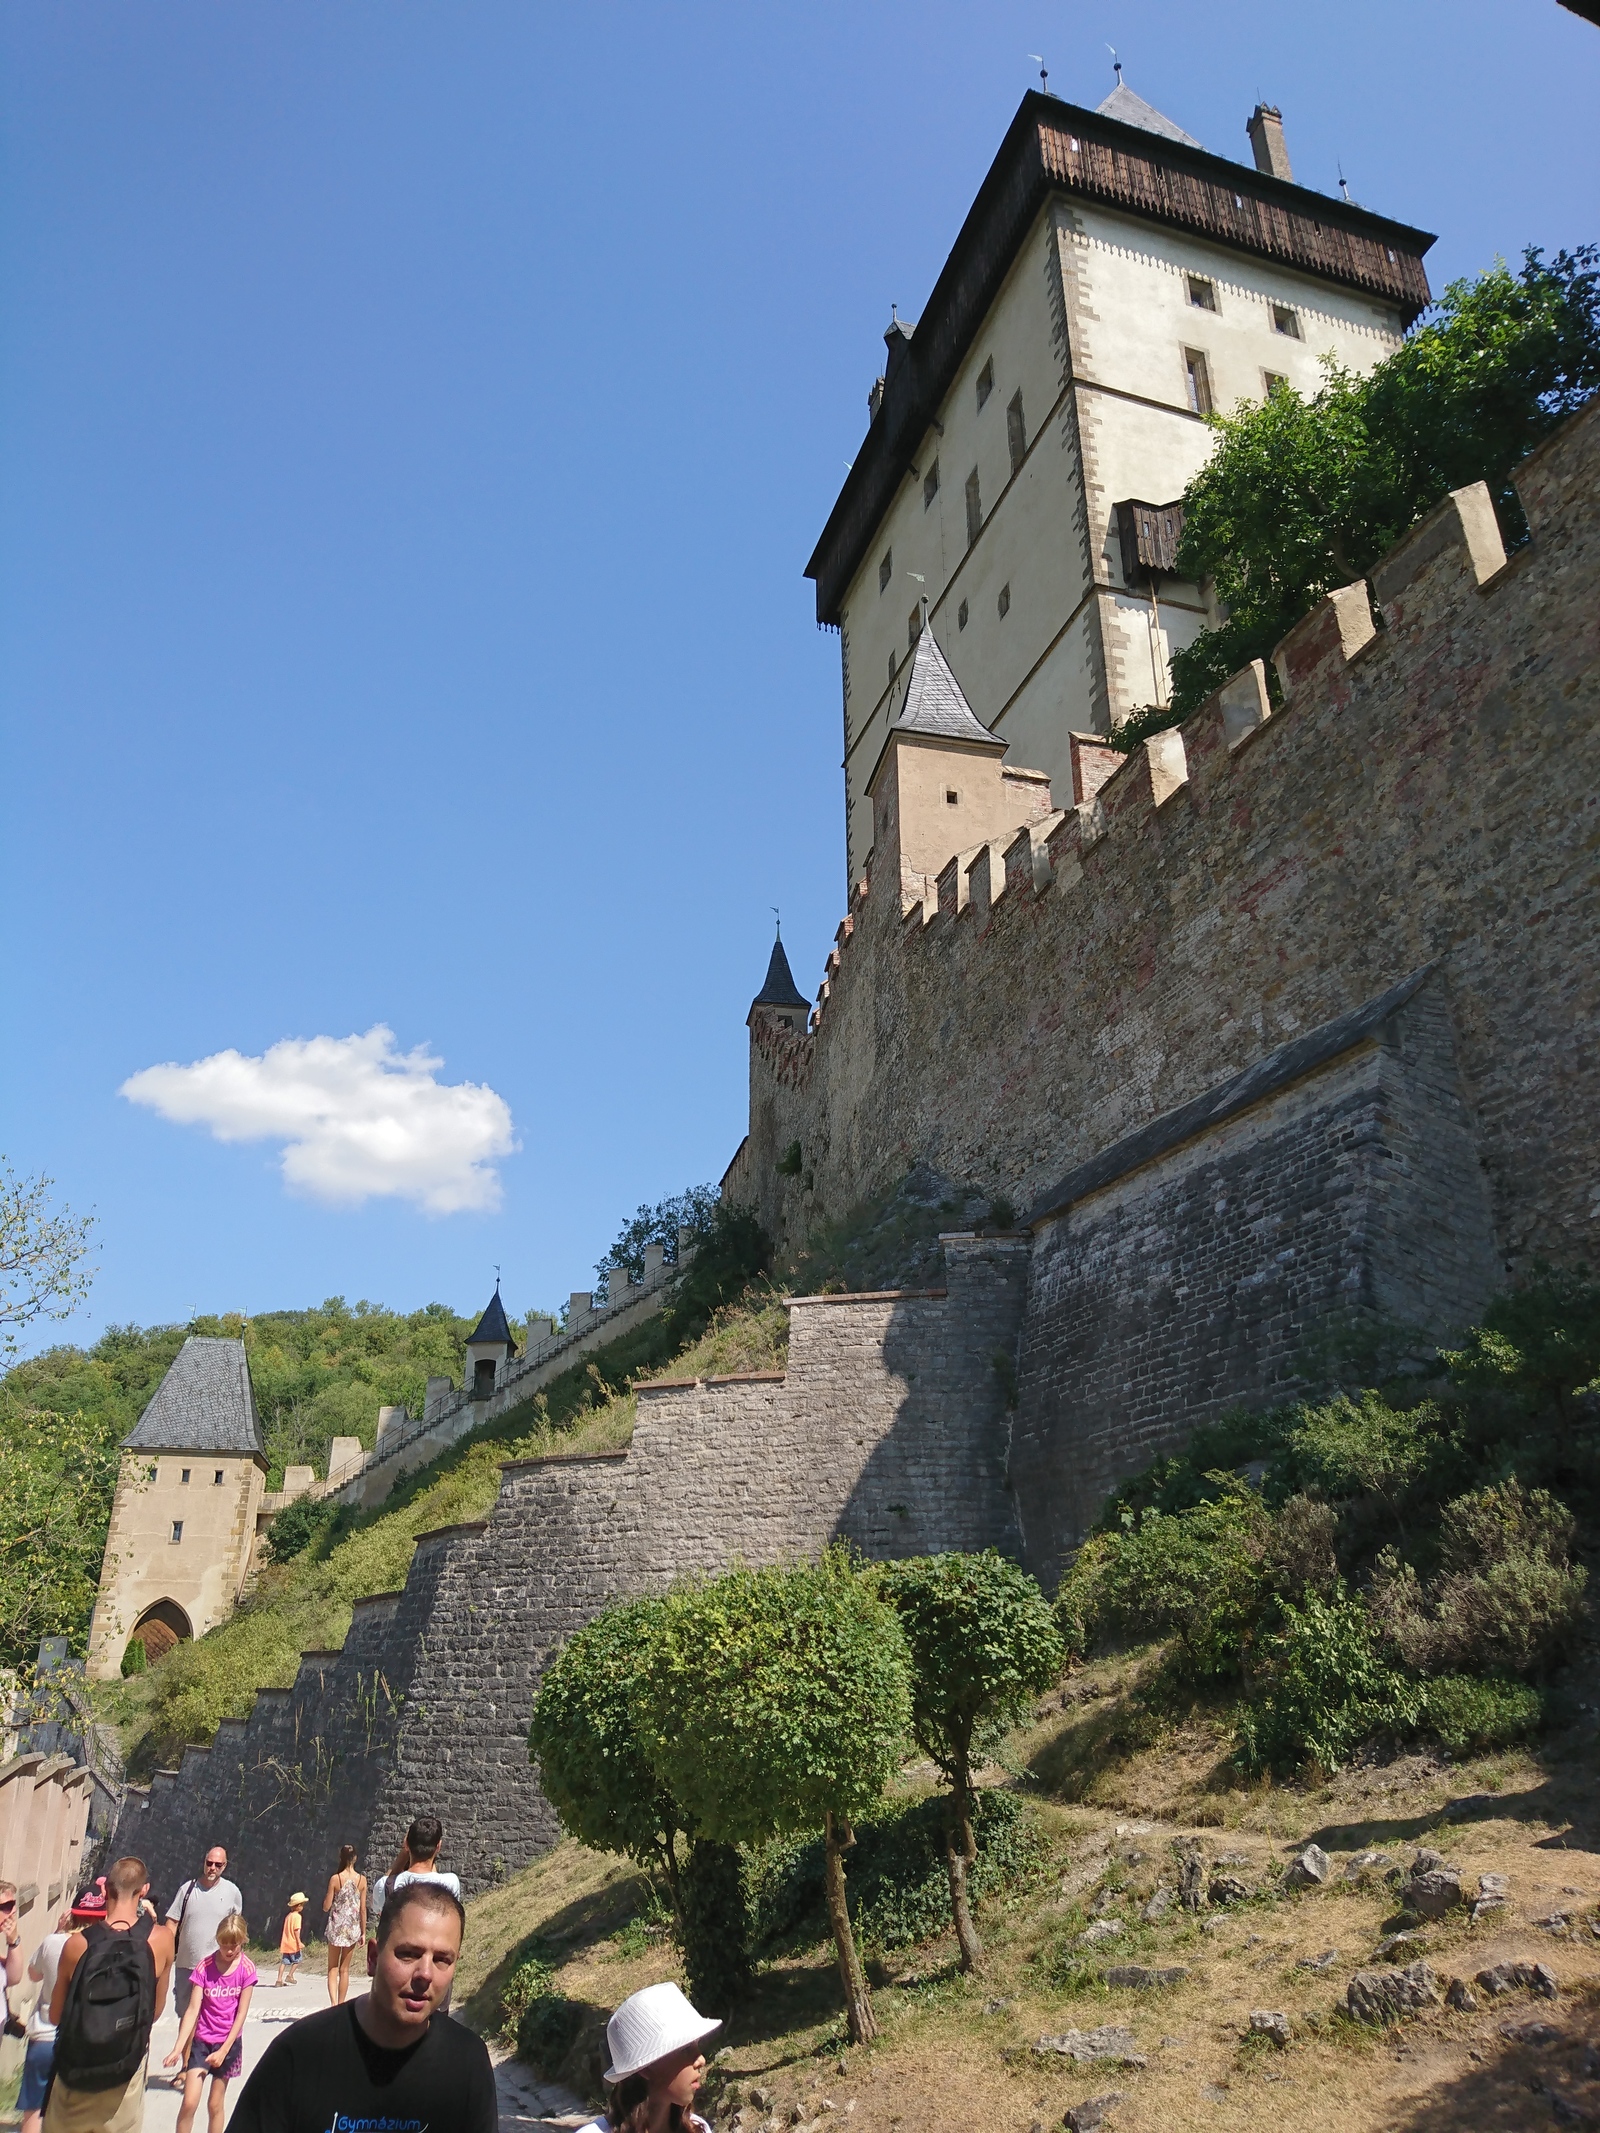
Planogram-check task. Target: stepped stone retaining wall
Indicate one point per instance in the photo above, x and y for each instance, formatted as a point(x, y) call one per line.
point(888, 1429)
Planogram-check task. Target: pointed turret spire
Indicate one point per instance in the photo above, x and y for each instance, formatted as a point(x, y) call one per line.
point(492, 1326)
point(934, 702)
point(780, 989)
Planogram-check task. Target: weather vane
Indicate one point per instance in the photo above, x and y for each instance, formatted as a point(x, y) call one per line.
point(1044, 71)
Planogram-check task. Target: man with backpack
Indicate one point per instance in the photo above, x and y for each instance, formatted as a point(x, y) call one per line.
point(111, 1984)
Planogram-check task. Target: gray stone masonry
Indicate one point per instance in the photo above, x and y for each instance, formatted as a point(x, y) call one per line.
point(888, 1429)
point(1167, 1292)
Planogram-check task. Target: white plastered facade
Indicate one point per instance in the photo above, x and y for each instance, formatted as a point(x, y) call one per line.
point(1092, 327)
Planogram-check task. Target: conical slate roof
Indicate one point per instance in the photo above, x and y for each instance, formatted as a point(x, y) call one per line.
point(933, 699)
point(780, 990)
point(492, 1326)
point(203, 1404)
point(1134, 111)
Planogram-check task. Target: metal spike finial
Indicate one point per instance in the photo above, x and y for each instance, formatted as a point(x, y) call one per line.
point(1116, 62)
point(1044, 71)
point(1344, 185)
point(777, 917)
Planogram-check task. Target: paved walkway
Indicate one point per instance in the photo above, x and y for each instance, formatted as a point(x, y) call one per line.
point(526, 2106)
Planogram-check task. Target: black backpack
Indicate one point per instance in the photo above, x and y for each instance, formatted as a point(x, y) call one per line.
point(104, 2031)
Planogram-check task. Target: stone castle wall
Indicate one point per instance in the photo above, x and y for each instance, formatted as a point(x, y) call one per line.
point(1429, 792)
point(1295, 1016)
point(889, 1429)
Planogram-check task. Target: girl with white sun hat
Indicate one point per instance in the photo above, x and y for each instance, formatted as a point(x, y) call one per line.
point(654, 2039)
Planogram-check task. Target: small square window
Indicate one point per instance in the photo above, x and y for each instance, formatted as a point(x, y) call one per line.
point(1272, 379)
point(1285, 321)
point(177, 1529)
point(886, 570)
point(1004, 601)
point(986, 381)
point(1202, 293)
point(216, 1479)
point(951, 797)
point(974, 508)
point(930, 485)
point(184, 1476)
point(1016, 432)
point(1197, 378)
point(961, 616)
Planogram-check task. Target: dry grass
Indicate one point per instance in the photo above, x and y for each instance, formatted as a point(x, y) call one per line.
point(958, 2051)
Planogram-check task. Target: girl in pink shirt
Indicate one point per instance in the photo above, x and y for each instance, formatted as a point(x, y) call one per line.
point(211, 2035)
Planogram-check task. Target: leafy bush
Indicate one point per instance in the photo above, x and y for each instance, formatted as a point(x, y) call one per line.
point(298, 1526)
point(529, 1981)
point(1201, 1574)
point(135, 1659)
point(1507, 1599)
point(1303, 495)
point(547, 2029)
point(899, 1889)
point(1323, 1689)
point(1468, 1715)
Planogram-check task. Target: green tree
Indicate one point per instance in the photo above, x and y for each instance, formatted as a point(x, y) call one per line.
point(983, 1643)
point(60, 1475)
point(777, 1701)
point(585, 1740)
point(42, 1254)
point(1304, 495)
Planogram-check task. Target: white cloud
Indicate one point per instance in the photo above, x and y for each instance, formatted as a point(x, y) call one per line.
point(361, 1119)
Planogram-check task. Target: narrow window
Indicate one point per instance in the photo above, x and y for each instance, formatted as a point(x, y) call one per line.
point(150, 1473)
point(930, 485)
point(886, 570)
point(1016, 432)
point(177, 1529)
point(951, 797)
point(913, 626)
point(1272, 379)
point(1197, 375)
point(1285, 321)
point(986, 381)
point(1202, 293)
point(893, 669)
point(961, 616)
point(216, 1479)
point(974, 508)
point(1004, 601)
point(184, 1476)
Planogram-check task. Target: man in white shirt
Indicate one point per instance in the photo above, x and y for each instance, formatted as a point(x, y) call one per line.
point(41, 2045)
point(197, 1910)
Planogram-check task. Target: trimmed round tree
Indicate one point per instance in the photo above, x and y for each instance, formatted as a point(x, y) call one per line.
point(584, 1740)
point(983, 1643)
point(777, 1701)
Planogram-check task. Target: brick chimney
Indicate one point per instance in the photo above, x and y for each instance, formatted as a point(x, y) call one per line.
point(1265, 128)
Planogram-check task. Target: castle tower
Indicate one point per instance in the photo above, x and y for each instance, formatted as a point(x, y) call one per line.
point(779, 995)
point(183, 1520)
point(489, 1349)
point(939, 785)
point(1114, 283)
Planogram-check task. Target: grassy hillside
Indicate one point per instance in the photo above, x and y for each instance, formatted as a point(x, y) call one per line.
point(305, 1603)
point(1113, 1805)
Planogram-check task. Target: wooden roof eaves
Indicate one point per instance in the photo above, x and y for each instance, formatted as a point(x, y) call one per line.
point(1017, 184)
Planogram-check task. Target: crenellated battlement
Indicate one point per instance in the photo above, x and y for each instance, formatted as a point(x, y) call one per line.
point(1228, 881)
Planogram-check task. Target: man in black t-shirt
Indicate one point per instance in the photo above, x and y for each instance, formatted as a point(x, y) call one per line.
point(388, 2063)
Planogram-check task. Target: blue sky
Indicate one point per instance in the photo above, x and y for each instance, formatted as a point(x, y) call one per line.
point(416, 419)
